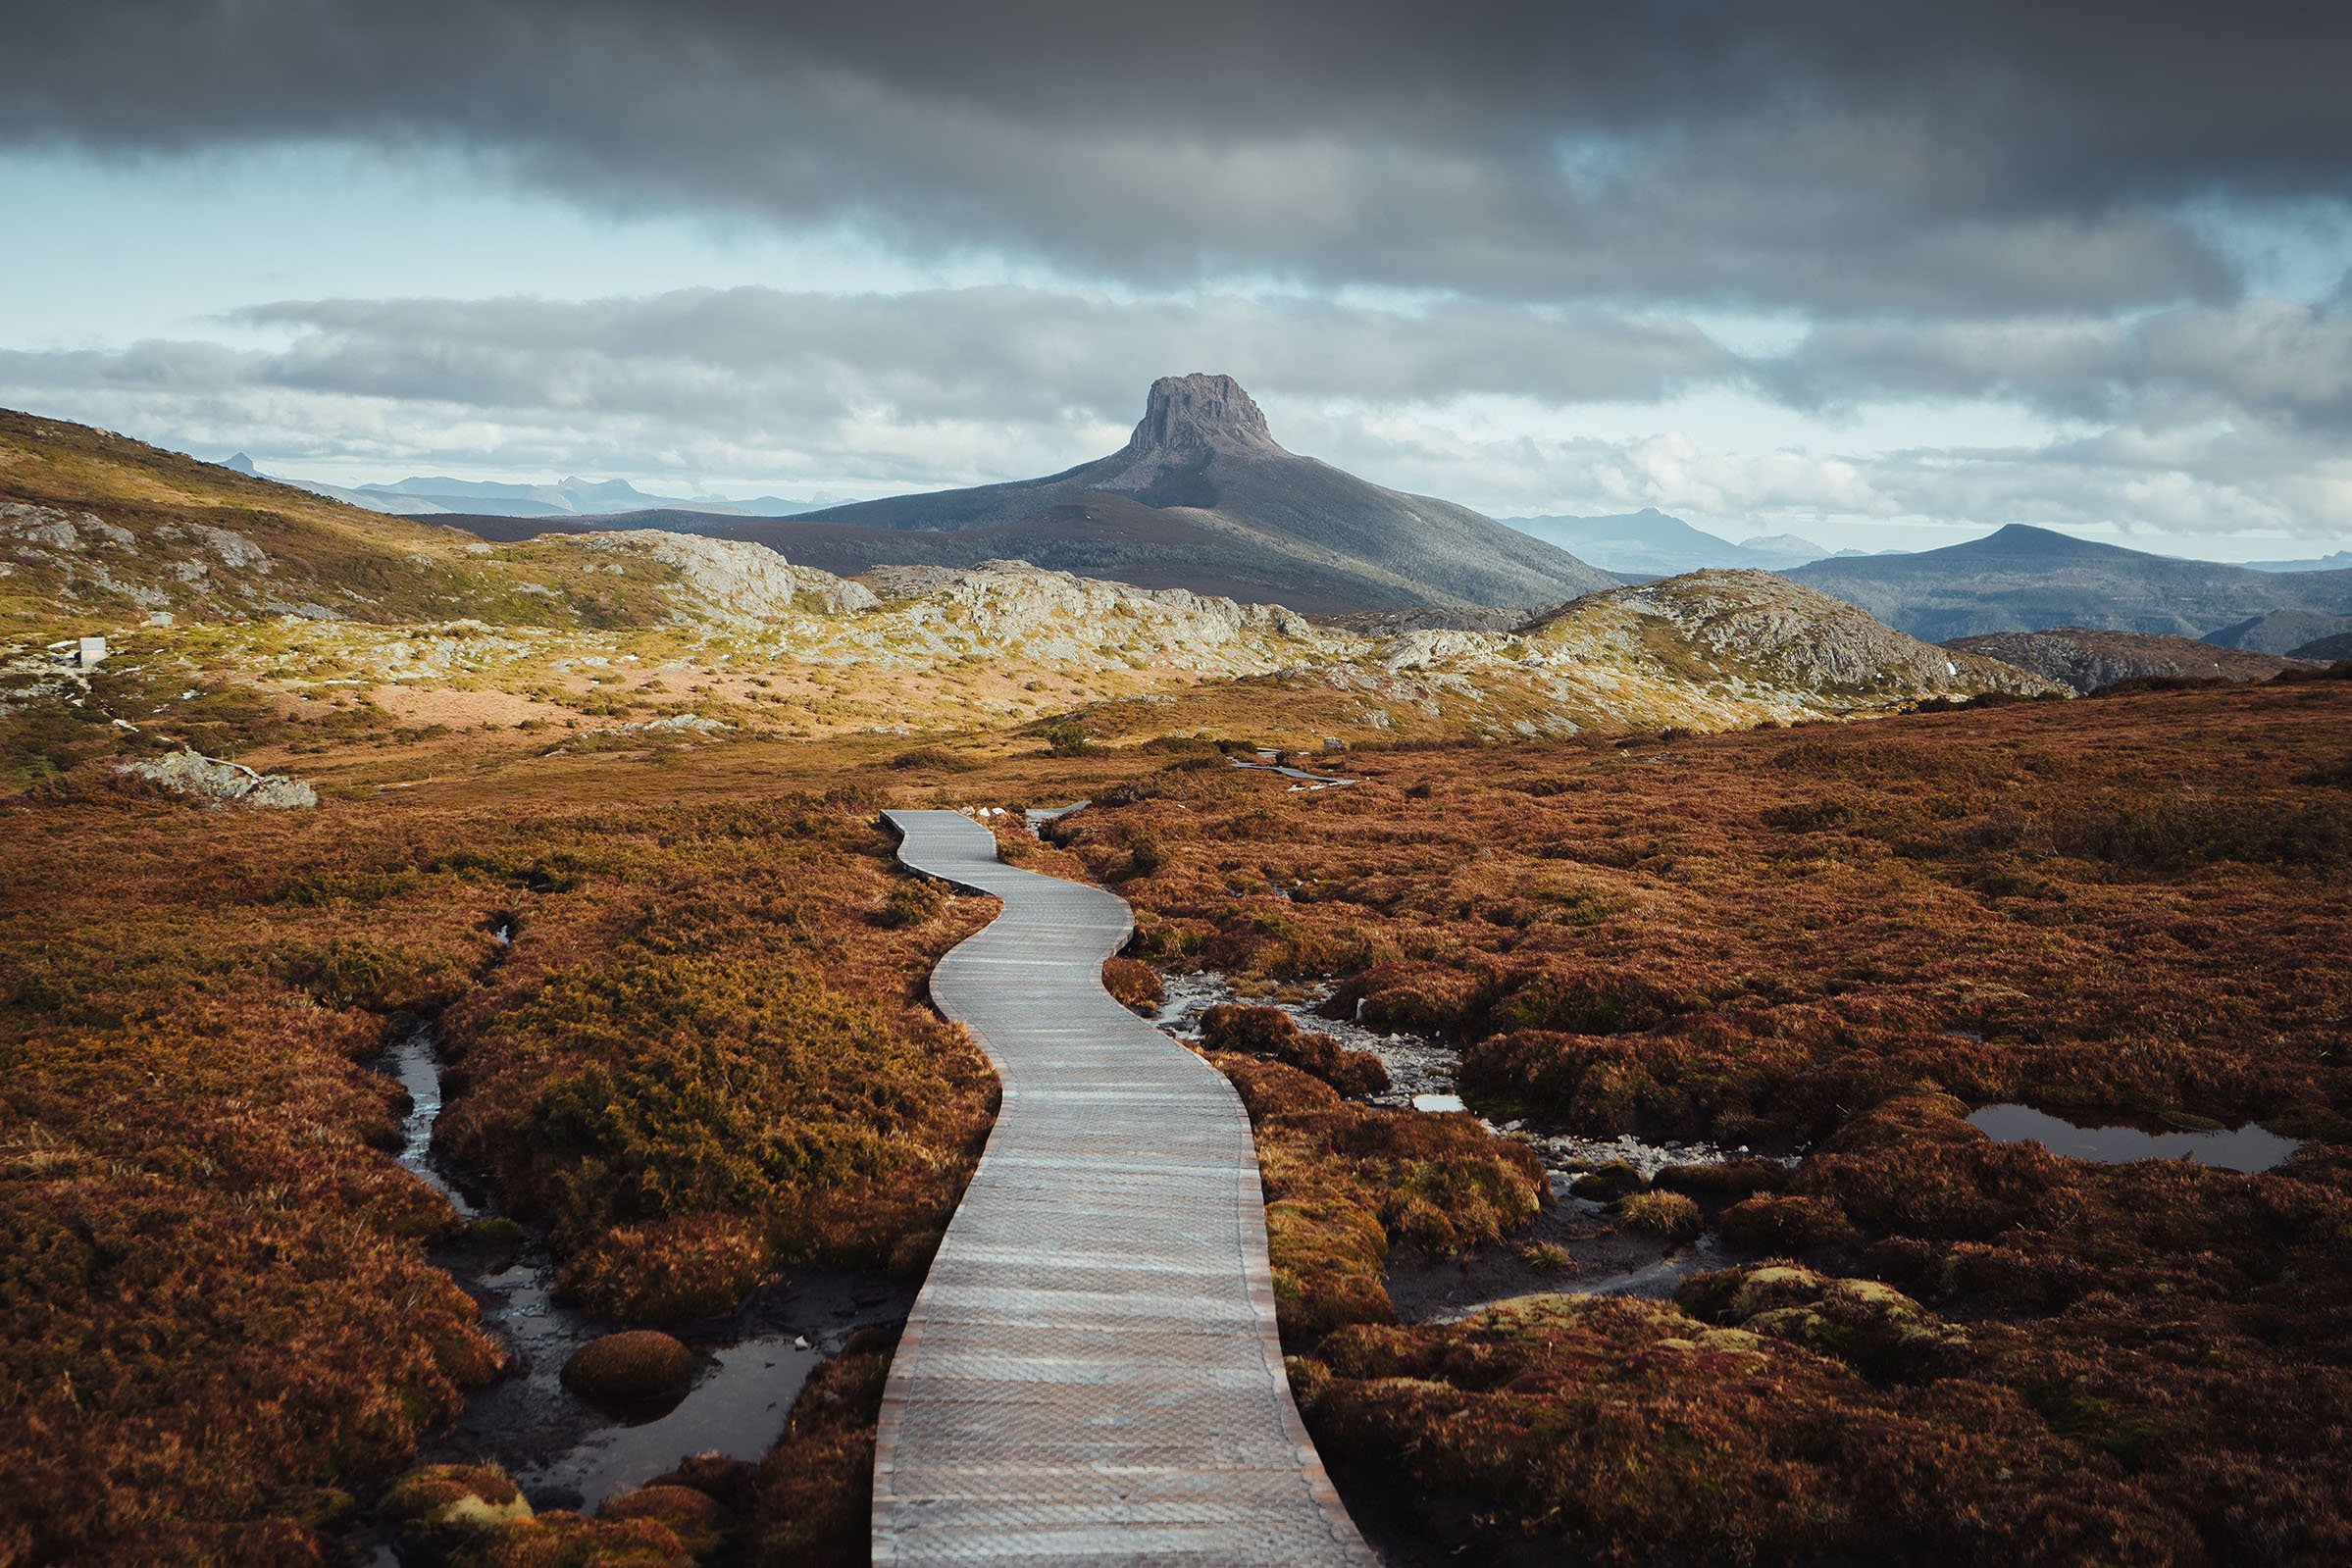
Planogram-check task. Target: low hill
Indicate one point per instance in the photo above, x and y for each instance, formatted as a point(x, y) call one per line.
point(2280, 631)
point(2331, 649)
point(1760, 632)
point(1651, 542)
point(1201, 489)
point(101, 532)
point(2022, 578)
point(2085, 659)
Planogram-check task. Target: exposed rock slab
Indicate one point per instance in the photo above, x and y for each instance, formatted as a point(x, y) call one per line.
point(216, 782)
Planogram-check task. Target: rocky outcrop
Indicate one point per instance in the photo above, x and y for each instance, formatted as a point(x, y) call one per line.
point(217, 782)
point(1016, 610)
point(730, 581)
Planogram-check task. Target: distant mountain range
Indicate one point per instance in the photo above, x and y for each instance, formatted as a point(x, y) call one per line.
point(2338, 561)
point(1648, 542)
point(1201, 497)
point(2025, 578)
point(438, 495)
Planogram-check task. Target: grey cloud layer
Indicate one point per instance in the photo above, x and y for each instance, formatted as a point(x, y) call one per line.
point(1842, 155)
point(756, 358)
point(903, 390)
point(2217, 418)
point(2264, 360)
point(1008, 353)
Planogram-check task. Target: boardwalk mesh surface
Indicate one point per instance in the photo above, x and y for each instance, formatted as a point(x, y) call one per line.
point(1091, 1372)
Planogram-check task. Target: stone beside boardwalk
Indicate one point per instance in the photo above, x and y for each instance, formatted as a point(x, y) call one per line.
point(1091, 1372)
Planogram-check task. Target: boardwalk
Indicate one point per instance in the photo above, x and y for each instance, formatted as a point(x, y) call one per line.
point(1091, 1374)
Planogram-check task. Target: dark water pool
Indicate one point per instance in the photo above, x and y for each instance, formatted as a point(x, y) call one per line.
point(2240, 1148)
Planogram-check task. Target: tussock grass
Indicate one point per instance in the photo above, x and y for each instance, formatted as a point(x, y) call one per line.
point(1834, 940)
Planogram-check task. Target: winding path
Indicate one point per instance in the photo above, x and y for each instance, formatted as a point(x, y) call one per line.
point(1092, 1374)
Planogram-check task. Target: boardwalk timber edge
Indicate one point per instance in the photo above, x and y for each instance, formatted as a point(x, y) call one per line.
point(1093, 1372)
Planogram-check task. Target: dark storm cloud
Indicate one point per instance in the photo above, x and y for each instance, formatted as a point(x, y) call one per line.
point(1838, 155)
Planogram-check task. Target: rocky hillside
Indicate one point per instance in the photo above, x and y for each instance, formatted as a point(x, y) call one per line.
point(2084, 660)
point(237, 610)
point(1203, 495)
point(2022, 578)
point(98, 530)
point(1755, 631)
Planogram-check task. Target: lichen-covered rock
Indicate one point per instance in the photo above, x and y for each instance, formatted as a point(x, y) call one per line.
point(458, 1499)
point(214, 782)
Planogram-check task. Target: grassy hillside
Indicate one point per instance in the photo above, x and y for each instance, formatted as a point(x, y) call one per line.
point(98, 531)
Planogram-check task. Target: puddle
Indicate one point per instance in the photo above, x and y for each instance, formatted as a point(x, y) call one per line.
point(2116, 1143)
point(569, 1452)
point(1605, 1259)
point(566, 1451)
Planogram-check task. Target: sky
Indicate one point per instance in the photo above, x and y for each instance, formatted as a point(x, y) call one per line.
point(1883, 275)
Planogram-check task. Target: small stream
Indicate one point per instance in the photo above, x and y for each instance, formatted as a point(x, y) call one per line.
point(1422, 1068)
point(1607, 1259)
point(566, 1451)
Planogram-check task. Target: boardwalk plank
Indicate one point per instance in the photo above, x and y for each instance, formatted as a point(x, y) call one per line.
point(1092, 1374)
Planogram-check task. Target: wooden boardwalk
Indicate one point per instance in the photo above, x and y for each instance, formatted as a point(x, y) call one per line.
point(1091, 1374)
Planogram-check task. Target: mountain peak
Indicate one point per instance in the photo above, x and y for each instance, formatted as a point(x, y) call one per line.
point(241, 464)
point(1190, 412)
point(2024, 538)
